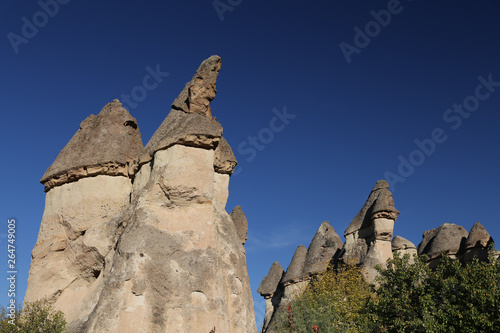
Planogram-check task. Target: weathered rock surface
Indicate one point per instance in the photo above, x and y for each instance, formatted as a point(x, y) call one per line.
point(241, 223)
point(478, 243)
point(295, 271)
point(368, 237)
point(225, 161)
point(200, 91)
point(272, 290)
point(159, 254)
point(448, 238)
point(325, 245)
point(403, 246)
point(106, 144)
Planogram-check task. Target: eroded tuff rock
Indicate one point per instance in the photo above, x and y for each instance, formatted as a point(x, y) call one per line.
point(105, 144)
point(295, 271)
point(368, 237)
point(325, 245)
point(225, 161)
point(272, 290)
point(240, 222)
point(200, 91)
point(160, 254)
point(478, 243)
point(448, 238)
point(403, 246)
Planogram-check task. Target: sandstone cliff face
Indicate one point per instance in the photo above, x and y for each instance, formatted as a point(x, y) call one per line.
point(151, 249)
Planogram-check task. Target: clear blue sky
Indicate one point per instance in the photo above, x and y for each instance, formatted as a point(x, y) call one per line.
point(354, 120)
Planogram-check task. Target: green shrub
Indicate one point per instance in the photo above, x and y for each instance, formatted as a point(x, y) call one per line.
point(334, 302)
point(35, 317)
point(452, 298)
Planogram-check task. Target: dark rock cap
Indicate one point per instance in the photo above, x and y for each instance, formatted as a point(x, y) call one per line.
point(363, 218)
point(187, 129)
point(241, 223)
point(111, 137)
point(384, 206)
point(200, 91)
point(225, 161)
point(449, 238)
point(323, 247)
point(400, 243)
point(270, 282)
point(295, 271)
point(478, 237)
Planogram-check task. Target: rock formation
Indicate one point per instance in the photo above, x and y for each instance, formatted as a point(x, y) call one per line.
point(240, 222)
point(325, 247)
point(368, 237)
point(448, 238)
point(271, 289)
point(137, 239)
point(403, 246)
point(478, 243)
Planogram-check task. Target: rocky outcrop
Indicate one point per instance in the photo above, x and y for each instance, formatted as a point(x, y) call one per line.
point(200, 91)
point(403, 246)
point(478, 243)
point(271, 289)
point(324, 248)
point(106, 144)
point(240, 222)
point(368, 236)
point(446, 239)
point(152, 250)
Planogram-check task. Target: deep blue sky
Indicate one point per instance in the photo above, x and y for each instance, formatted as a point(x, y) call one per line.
point(353, 120)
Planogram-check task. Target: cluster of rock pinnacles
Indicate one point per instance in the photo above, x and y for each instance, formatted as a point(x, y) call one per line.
point(136, 238)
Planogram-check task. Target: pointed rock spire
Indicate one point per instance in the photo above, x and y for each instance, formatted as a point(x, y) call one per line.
point(104, 144)
point(200, 91)
point(363, 218)
point(270, 282)
point(295, 271)
point(325, 244)
point(241, 223)
point(190, 121)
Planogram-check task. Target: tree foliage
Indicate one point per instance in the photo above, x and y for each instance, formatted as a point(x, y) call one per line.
point(452, 298)
point(333, 302)
point(35, 317)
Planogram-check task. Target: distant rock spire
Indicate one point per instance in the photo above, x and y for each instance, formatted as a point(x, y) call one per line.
point(324, 246)
point(104, 145)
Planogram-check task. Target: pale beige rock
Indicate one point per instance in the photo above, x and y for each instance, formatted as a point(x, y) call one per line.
point(403, 246)
point(73, 240)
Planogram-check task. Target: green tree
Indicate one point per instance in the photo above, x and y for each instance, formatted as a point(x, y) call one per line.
point(35, 317)
point(334, 301)
point(452, 298)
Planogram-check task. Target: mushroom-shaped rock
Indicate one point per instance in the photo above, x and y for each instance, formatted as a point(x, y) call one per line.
point(384, 206)
point(105, 144)
point(448, 238)
point(403, 246)
point(270, 282)
point(225, 161)
point(200, 91)
point(363, 218)
point(240, 222)
point(400, 243)
point(478, 243)
point(325, 244)
point(295, 271)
